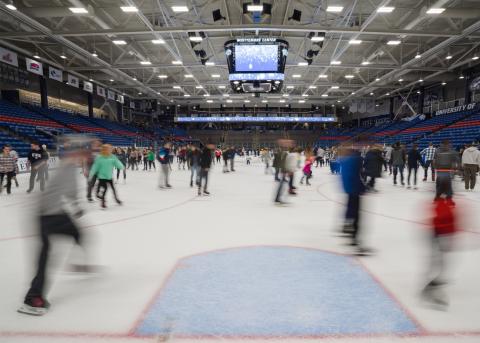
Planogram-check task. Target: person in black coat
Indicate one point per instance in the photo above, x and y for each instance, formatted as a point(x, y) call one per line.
point(38, 159)
point(372, 164)
point(414, 159)
point(205, 164)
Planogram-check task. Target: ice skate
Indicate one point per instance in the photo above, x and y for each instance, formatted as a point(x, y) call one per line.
point(36, 306)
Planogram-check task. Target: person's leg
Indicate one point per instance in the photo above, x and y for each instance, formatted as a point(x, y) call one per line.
point(408, 175)
point(277, 171)
point(467, 177)
point(473, 180)
point(2, 176)
point(278, 197)
point(118, 174)
point(9, 182)
point(395, 171)
point(401, 175)
point(355, 211)
point(41, 175)
point(425, 169)
point(205, 176)
point(33, 174)
point(110, 182)
point(102, 191)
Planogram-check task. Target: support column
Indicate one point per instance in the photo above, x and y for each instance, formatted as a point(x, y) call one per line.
point(468, 93)
point(90, 104)
point(119, 112)
point(43, 91)
point(390, 111)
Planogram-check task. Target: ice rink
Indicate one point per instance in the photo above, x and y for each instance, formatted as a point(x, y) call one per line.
point(232, 266)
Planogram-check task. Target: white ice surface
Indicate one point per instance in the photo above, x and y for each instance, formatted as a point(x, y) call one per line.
point(140, 242)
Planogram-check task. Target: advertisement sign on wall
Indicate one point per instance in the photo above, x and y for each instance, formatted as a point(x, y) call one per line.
point(34, 66)
point(55, 74)
point(9, 57)
point(73, 81)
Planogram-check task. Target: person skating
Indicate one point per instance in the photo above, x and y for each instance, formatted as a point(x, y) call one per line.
point(307, 170)
point(205, 163)
point(38, 160)
point(281, 160)
point(57, 206)
point(398, 162)
point(122, 157)
point(164, 159)
point(428, 155)
point(445, 162)
point(372, 164)
point(470, 163)
point(194, 162)
point(8, 168)
point(387, 157)
point(277, 161)
point(90, 156)
point(225, 154)
point(414, 159)
point(103, 169)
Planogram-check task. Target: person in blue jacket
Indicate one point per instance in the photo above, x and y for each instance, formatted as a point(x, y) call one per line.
point(351, 167)
point(164, 159)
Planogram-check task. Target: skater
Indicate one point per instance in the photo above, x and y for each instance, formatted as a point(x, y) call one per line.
point(56, 207)
point(205, 165)
point(428, 155)
point(218, 155)
point(151, 160)
point(225, 160)
point(320, 155)
point(145, 159)
point(38, 160)
point(277, 161)
point(44, 148)
point(351, 167)
point(440, 242)
point(103, 169)
point(8, 168)
point(90, 156)
point(387, 157)
point(470, 163)
point(284, 145)
point(398, 162)
point(372, 164)
point(164, 159)
point(413, 160)
point(122, 157)
point(194, 162)
point(307, 171)
point(445, 162)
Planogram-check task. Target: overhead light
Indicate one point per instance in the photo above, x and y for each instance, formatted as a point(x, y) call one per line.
point(78, 10)
point(338, 101)
point(354, 41)
point(199, 87)
point(209, 64)
point(418, 92)
point(285, 95)
point(475, 58)
point(129, 9)
point(176, 62)
point(255, 8)
point(11, 7)
point(277, 82)
point(323, 76)
point(349, 76)
point(158, 41)
point(158, 93)
point(302, 64)
point(162, 76)
point(449, 57)
point(215, 75)
point(319, 38)
point(139, 93)
point(226, 95)
point(353, 93)
point(444, 83)
point(421, 80)
point(290, 87)
point(62, 56)
point(301, 101)
point(335, 9)
point(305, 95)
point(119, 42)
point(377, 79)
point(206, 95)
point(435, 10)
point(145, 63)
point(134, 79)
point(91, 80)
point(264, 101)
point(94, 54)
point(418, 55)
point(461, 77)
point(195, 38)
point(188, 76)
point(394, 42)
point(387, 94)
point(36, 56)
point(324, 95)
point(296, 76)
point(179, 9)
point(371, 93)
point(209, 101)
point(235, 82)
point(400, 80)
point(335, 62)
point(221, 87)
point(186, 95)
point(177, 87)
point(364, 63)
point(312, 87)
point(335, 87)
point(247, 101)
point(229, 100)
point(282, 101)
point(111, 80)
point(385, 9)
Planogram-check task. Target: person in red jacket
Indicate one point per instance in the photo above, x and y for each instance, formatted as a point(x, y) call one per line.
point(444, 227)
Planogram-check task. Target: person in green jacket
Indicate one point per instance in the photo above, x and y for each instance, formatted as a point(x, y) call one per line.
point(151, 159)
point(103, 169)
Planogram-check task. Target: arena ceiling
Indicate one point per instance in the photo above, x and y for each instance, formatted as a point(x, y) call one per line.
point(384, 45)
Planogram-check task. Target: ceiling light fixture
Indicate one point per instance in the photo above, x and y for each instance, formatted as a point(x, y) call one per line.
point(475, 58)
point(421, 80)
point(335, 87)
point(221, 87)
point(215, 76)
point(449, 57)
point(394, 42)
point(302, 64)
point(179, 9)
point(444, 83)
point(145, 63)
point(11, 7)
point(36, 56)
point(94, 54)
point(209, 64)
point(296, 76)
point(177, 62)
point(78, 10)
point(349, 76)
point(385, 9)
point(177, 87)
point(335, 9)
point(119, 42)
point(418, 55)
point(162, 76)
point(354, 41)
point(461, 77)
point(335, 62)
point(435, 10)
point(365, 63)
point(158, 41)
point(62, 56)
point(301, 101)
point(129, 9)
point(254, 8)
point(312, 87)
point(323, 76)
point(199, 87)
point(195, 38)
point(188, 76)
point(324, 95)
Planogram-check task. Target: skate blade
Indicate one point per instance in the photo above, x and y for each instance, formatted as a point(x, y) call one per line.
point(33, 311)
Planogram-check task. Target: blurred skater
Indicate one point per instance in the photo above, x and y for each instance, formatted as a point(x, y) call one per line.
point(8, 168)
point(445, 162)
point(373, 166)
point(205, 165)
point(38, 159)
point(470, 163)
point(413, 160)
point(164, 159)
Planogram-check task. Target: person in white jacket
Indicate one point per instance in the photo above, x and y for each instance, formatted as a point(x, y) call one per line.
point(470, 162)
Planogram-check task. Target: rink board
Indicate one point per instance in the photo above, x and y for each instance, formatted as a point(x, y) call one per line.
point(273, 292)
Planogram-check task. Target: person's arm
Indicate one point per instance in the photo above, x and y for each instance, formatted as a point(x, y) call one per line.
point(93, 169)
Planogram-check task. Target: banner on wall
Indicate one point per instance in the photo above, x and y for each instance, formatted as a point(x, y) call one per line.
point(132, 105)
point(24, 165)
point(34, 66)
point(111, 95)
point(9, 57)
point(101, 91)
point(88, 86)
point(73, 81)
point(475, 84)
point(55, 74)
point(460, 108)
point(120, 99)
